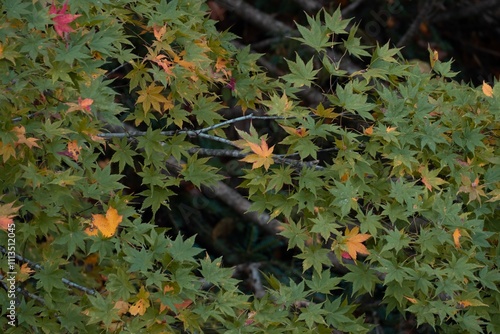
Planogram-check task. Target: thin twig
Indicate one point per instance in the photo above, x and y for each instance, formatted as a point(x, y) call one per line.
point(270, 24)
point(347, 11)
point(36, 266)
point(412, 30)
point(310, 6)
point(466, 11)
point(23, 292)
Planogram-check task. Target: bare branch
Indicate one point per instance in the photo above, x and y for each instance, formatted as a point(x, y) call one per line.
point(268, 23)
point(36, 266)
point(310, 6)
point(467, 10)
point(421, 17)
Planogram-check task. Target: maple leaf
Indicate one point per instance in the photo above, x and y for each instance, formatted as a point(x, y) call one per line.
point(220, 66)
point(472, 188)
point(106, 224)
point(325, 113)
point(352, 243)
point(487, 90)
point(158, 32)
point(73, 150)
point(262, 155)
point(300, 132)
point(368, 131)
point(430, 179)
point(456, 238)
point(7, 151)
point(142, 304)
point(82, 105)
point(62, 19)
point(151, 97)
point(24, 273)
point(20, 132)
point(7, 212)
point(433, 57)
point(165, 64)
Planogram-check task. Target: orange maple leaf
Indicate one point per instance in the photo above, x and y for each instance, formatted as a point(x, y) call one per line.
point(178, 306)
point(62, 19)
point(368, 131)
point(158, 32)
point(164, 63)
point(7, 212)
point(352, 242)
point(82, 105)
point(299, 132)
point(456, 238)
point(262, 155)
point(487, 90)
point(107, 225)
point(24, 273)
point(221, 66)
point(74, 150)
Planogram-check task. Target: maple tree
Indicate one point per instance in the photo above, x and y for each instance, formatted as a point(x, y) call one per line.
point(159, 180)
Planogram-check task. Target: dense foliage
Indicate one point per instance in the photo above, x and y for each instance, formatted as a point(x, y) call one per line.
point(389, 187)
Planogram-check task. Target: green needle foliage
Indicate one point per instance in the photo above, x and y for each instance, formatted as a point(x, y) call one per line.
point(410, 182)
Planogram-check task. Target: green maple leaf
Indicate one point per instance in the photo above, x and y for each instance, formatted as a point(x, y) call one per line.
point(295, 233)
point(317, 36)
point(430, 178)
point(184, 250)
point(353, 44)
point(316, 257)
point(301, 74)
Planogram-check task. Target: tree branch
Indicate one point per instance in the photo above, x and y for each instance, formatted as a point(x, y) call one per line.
point(36, 266)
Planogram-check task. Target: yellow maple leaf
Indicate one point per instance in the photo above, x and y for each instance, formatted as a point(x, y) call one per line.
point(262, 155)
point(352, 242)
point(20, 132)
point(7, 151)
point(139, 308)
point(151, 97)
point(142, 304)
point(487, 90)
point(106, 224)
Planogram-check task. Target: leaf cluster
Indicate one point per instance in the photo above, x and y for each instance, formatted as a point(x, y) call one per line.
point(389, 186)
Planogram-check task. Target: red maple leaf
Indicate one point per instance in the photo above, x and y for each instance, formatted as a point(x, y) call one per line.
point(62, 20)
